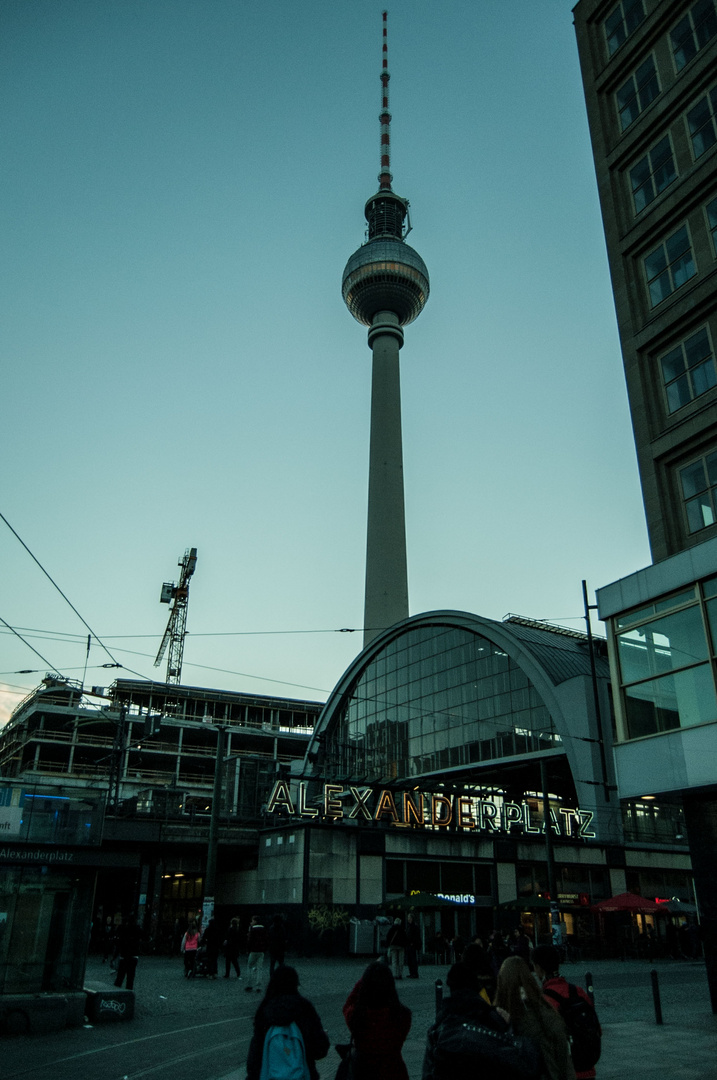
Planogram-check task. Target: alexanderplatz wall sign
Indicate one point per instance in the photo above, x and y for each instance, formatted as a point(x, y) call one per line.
point(401, 809)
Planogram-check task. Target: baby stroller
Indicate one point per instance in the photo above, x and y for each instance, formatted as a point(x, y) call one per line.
point(201, 967)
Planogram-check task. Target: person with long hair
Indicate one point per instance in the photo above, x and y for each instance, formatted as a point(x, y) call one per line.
point(519, 996)
point(282, 1005)
point(379, 1024)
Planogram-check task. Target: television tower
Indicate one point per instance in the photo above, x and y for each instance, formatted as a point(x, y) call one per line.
point(385, 287)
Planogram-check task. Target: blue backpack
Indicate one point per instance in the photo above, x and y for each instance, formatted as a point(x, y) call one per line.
point(284, 1056)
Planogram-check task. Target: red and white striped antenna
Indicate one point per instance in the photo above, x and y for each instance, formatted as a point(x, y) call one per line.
point(384, 177)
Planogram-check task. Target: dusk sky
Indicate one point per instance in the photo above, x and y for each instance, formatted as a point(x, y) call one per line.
point(182, 183)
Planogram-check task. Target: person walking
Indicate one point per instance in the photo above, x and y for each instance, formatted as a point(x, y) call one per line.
point(471, 1038)
point(413, 946)
point(128, 945)
point(283, 1005)
point(210, 942)
point(108, 939)
point(256, 944)
point(276, 939)
point(378, 1023)
point(190, 944)
point(519, 996)
point(232, 947)
point(574, 1006)
point(396, 944)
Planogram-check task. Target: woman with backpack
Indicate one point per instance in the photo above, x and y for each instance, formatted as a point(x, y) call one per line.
point(283, 1022)
point(378, 1023)
point(520, 1000)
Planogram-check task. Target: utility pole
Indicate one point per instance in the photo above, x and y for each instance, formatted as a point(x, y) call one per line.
point(549, 854)
point(210, 876)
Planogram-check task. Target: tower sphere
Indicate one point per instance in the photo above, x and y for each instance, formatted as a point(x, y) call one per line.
point(385, 275)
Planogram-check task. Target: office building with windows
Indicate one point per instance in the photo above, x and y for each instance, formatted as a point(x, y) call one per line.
point(649, 70)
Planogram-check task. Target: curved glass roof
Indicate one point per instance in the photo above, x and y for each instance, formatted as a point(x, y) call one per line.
point(437, 693)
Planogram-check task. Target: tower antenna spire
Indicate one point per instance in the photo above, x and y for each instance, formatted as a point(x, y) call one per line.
point(384, 177)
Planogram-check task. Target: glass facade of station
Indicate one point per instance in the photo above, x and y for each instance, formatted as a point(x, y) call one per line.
point(436, 697)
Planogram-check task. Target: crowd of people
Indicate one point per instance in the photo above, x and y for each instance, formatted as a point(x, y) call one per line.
point(519, 1021)
point(509, 1015)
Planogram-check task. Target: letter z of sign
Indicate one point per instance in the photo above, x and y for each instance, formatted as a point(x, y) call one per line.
point(585, 817)
point(359, 807)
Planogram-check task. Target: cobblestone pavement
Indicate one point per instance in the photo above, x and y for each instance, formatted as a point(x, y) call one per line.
point(200, 1029)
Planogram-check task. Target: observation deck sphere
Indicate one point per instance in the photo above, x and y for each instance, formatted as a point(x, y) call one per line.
point(385, 275)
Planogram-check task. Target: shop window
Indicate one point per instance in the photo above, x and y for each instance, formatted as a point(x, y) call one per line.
point(394, 876)
point(689, 370)
point(620, 23)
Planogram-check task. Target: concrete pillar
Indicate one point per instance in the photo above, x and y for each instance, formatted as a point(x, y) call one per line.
point(386, 599)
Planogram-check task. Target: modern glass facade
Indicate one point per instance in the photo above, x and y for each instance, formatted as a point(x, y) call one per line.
point(666, 652)
point(436, 697)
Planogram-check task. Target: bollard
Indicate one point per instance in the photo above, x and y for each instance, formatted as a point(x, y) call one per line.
point(656, 996)
point(439, 996)
point(589, 986)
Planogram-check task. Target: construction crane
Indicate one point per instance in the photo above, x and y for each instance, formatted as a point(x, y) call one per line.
point(178, 597)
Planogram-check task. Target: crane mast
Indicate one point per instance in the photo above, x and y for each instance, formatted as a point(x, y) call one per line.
point(177, 596)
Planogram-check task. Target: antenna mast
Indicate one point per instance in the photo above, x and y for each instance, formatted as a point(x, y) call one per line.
point(384, 177)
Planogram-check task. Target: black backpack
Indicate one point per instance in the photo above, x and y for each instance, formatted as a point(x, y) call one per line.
point(583, 1027)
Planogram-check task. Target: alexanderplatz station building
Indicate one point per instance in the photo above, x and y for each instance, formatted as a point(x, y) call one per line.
point(427, 772)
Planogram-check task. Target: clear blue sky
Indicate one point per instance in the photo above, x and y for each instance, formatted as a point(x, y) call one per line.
point(182, 184)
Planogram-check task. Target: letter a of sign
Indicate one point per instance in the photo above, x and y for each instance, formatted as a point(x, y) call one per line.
point(386, 805)
point(280, 797)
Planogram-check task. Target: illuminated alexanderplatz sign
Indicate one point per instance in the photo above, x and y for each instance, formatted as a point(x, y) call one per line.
point(402, 809)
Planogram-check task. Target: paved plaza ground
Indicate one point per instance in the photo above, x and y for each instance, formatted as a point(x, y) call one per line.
point(200, 1029)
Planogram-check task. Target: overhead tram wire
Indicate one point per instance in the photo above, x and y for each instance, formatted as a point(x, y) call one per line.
point(32, 649)
point(56, 586)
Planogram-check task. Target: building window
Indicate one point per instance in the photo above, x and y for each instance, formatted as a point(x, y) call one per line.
point(636, 94)
point(669, 266)
point(664, 667)
point(689, 369)
point(712, 222)
point(699, 489)
point(620, 23)
point(652, 174)
point(701, 123)
point(693, 32)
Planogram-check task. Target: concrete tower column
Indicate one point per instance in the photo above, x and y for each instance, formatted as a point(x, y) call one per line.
point(386, 596)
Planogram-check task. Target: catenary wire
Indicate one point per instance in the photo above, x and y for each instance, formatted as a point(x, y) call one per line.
point(56, 586)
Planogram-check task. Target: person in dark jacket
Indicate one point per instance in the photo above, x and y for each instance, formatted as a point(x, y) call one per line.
point(413, 946)
point(396, 944)
point(276, 938)
point(546, 961)
point(232, 948)
point(379, 1024)
point(283, 1004)
point(210, 940)
point(465, 1006)
point(128, 943)
point(256, 946)
point(519, 995)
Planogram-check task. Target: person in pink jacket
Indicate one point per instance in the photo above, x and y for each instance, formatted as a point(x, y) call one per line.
point(190, 944)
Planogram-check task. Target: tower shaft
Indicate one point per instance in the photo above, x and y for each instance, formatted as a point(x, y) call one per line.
point(386, 596)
